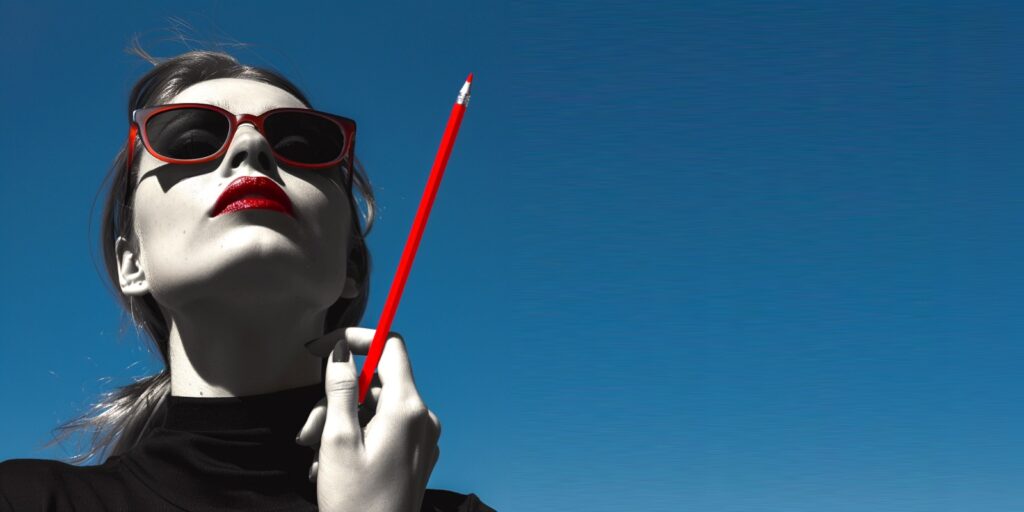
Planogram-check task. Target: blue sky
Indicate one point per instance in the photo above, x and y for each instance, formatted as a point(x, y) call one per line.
point(719, 256)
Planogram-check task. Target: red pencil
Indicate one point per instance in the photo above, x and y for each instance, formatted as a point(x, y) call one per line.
point(413, 242)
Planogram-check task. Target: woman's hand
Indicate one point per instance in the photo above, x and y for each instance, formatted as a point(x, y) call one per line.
point(376, 457)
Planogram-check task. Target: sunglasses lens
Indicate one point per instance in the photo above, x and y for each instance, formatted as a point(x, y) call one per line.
point(304, 138)
point(187, 133)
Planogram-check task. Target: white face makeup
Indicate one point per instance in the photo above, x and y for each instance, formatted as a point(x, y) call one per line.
point(249, 257)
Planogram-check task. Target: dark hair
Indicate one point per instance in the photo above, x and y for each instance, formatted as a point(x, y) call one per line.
point(125, 415)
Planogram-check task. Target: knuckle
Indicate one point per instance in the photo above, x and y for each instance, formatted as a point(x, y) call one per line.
point(436, 424)
point(341, 386)
point(337, 437)
point(414, 404)
point(397, 343)
point(414, 411)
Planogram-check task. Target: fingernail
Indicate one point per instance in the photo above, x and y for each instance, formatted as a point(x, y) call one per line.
point(341, 351)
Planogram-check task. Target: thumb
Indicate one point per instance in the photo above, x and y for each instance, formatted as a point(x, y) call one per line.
point(342, 389)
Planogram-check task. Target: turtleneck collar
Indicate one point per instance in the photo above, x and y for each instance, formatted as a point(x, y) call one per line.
point(279, 409)
point(231, 453)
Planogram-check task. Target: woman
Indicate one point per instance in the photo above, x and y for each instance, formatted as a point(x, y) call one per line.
point(223, 231)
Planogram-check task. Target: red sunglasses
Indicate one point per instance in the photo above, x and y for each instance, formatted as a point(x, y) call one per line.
point(193, 133)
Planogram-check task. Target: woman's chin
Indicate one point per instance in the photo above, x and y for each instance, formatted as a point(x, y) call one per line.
point(249, 264)
point(246, 230)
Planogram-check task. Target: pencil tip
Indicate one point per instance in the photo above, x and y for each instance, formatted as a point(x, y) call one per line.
point(463, 98)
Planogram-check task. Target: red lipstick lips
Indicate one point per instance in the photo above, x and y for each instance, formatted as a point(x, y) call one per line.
point(252, 192)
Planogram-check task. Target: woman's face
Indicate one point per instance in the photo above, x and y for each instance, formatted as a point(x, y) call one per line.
point(188, 258)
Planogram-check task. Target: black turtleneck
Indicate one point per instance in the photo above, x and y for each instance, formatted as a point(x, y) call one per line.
point(207, 454)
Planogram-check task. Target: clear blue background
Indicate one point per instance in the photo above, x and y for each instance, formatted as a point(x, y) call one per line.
point(720, 256)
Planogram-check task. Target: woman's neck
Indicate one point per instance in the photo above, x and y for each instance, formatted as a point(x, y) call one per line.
point(216, 352)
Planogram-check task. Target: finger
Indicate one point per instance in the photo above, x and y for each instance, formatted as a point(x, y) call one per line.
point(314, 467)
point(322, 346)
point(359, 341)
point(313, 429)
point(341, 427)
point(374, 393)
point(360, 338)
point(398, 386)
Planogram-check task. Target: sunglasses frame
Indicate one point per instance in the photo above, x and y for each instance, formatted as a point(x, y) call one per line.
point(140, 117)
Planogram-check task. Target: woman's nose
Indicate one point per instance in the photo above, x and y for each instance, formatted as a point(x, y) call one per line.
point(250, 147)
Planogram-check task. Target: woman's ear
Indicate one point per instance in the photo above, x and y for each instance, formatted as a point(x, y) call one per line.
point(129, 269)
point(351, 290)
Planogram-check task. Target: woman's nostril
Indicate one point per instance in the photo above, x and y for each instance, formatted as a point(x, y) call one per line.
point(239, 158)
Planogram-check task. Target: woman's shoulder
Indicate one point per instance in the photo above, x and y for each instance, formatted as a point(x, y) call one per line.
point(30, 484)
point(25, 475)
point(29, 471)
point(34, 484)
point(440, 500)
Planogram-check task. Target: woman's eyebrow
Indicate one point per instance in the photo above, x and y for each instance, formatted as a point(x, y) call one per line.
point(220, 104)
point(265, 108)
point(262, 108)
